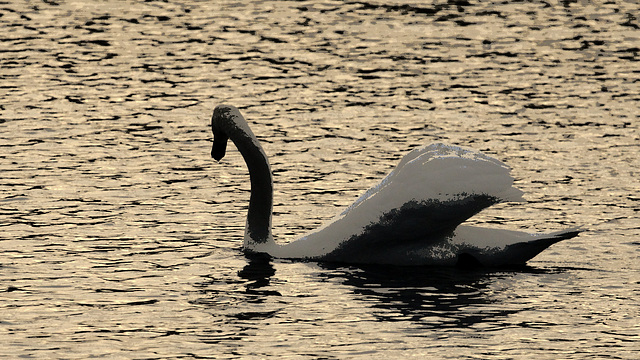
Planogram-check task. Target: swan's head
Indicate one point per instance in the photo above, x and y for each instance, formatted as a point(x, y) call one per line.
point(227, 123)
point(223, 120)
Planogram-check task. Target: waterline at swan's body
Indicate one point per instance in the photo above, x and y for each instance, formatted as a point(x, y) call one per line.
point(411, 217)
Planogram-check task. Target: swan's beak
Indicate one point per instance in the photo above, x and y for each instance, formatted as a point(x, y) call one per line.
point(219, 147)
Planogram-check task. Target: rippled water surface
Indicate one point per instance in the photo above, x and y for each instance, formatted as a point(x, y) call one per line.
point(120, 237)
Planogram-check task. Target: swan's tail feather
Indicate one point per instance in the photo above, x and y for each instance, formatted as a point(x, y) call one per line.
point(520, 253)
point(563, 234)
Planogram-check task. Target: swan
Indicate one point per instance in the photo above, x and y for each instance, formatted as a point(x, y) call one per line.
point(412, 217)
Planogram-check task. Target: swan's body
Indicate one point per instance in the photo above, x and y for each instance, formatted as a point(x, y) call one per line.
point(411, 218)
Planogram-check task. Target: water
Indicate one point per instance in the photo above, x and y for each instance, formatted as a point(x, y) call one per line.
point(120, 237)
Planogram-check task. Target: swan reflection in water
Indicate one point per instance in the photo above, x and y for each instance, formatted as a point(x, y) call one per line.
point(433, 297)
point(412, 217)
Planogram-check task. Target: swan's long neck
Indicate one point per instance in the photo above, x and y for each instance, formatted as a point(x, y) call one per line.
point(228, 122)
point(258, 227)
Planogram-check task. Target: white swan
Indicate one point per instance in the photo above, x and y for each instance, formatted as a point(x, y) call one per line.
point(411, 217)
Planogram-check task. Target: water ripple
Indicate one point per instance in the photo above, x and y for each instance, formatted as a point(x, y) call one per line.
point(120, 237)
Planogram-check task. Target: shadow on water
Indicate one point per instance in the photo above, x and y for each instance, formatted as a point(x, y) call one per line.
point(435, 297)
point(258, 273)
point(269, 294)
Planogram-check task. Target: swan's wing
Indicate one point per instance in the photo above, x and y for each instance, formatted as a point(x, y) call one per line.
point(438, 171)
point(432, 190)
point(413, 226)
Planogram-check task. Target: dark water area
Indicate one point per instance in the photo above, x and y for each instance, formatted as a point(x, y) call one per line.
point(120, 237)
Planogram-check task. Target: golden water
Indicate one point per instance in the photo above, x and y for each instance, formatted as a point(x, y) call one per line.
point(120, 237)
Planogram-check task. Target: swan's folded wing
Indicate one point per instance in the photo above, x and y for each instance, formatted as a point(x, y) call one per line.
point(413, 225)
point(440, 171)
point(418, 220)
point(433, 190)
